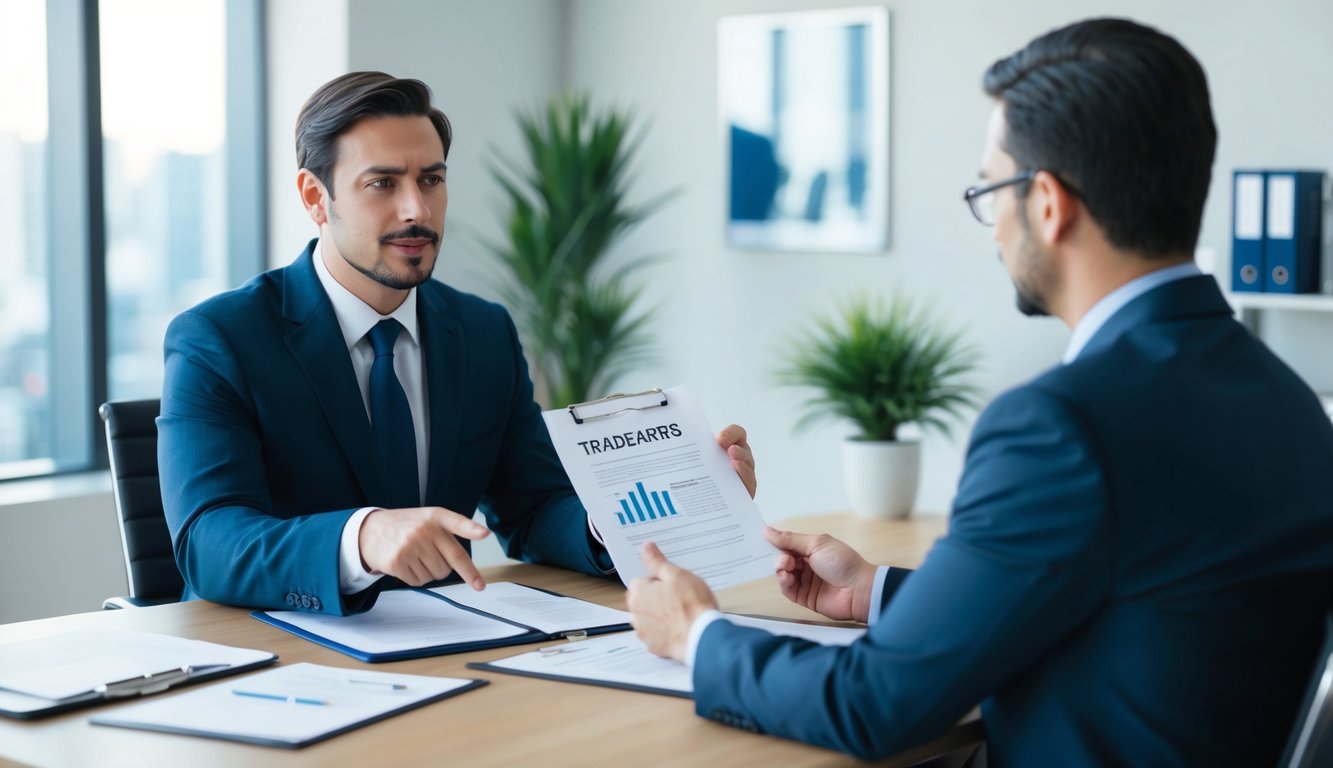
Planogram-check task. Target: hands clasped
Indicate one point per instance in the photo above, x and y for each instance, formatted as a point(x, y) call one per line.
point(419, 545)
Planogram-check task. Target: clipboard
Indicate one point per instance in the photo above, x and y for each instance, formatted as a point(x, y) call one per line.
point(317, 629)
point(648, 467)
point(625, 663)
point(83, 668)
point(256, 710)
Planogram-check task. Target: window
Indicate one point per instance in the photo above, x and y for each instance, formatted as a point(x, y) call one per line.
point(25, 399)
point(164, 133)
point(135, 146)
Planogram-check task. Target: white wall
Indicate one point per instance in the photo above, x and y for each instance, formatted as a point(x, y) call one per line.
point(60, 550)
point(306, 46)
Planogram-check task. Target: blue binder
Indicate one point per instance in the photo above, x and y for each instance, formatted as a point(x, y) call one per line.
point(1247, 231)
point(1293, 232)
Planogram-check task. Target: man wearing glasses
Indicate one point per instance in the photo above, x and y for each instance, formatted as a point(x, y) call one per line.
point(1141, 546)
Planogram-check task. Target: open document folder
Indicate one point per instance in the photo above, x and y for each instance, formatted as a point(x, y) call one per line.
point(623, 661)
point(411, 623)
point(84, 667)
point(648, 468)
point(290, 706)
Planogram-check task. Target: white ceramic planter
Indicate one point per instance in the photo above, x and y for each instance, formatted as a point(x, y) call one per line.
point(881, 476)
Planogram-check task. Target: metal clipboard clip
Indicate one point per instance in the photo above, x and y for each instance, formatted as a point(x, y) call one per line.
point(659, 399)
point(142, 685)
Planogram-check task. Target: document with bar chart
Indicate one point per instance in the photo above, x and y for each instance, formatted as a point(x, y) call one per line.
point(648, 468)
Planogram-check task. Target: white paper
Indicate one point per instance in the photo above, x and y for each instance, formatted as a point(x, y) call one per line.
point(657, 474)
point(216, 710)
point(1281, 207)
point(551, 614)
point(623, 659)
point(401, 620)
point(75, 663)
point(1249, 204)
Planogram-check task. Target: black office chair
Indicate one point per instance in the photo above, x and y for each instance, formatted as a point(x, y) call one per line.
point(1311, 742)
point(131, 439)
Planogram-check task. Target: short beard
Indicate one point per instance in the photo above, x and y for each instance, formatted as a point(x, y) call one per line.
point(1028, 294)
point(381, 273)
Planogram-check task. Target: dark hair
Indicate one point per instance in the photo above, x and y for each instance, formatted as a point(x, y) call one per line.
point(1120, 114)
point(340, 102)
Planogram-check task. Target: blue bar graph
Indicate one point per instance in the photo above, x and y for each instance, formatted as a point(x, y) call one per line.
point(641, 506)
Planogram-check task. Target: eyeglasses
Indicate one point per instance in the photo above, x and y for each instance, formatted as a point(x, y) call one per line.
point(981, 199)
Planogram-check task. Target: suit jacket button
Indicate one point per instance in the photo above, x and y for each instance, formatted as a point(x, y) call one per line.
point(315, 604)
point(305, 601)
point(291, 599)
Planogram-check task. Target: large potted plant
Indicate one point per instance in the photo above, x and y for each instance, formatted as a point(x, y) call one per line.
point(577, 311)
point(880, 368)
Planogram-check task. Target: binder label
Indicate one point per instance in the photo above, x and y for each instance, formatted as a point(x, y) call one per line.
point(1281, 207)
point(1249, 206)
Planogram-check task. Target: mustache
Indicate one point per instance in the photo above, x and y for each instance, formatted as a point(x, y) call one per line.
point(414, 232)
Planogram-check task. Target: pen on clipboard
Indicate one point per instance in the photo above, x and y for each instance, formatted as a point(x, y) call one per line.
point(379, 684)
point(280, 697)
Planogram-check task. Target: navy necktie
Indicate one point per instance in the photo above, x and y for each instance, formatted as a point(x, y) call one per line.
point(391, 419)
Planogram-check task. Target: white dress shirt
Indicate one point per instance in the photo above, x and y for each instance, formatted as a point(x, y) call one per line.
point(356, 318)
point(1087, 327)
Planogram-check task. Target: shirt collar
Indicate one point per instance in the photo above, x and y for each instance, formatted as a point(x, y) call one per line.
point(355, 317)
point(1113, 302)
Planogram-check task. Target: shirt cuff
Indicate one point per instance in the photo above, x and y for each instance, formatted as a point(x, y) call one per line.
point(877, 594)
point(352, 575)
point(701, 623)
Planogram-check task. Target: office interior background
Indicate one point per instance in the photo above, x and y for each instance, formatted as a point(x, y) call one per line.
point(197, 193)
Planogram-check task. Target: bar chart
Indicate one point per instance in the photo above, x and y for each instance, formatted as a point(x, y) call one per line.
point(641, 506)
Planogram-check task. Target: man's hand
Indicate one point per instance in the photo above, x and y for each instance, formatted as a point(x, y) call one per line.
point(823, 574)
point(732, 440)
point(664, 604)
point(418, 545)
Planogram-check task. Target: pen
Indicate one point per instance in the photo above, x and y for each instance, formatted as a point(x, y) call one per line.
point(390, 686)
point(279, 697)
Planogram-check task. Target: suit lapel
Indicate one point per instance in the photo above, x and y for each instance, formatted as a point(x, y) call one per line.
point(444, 361)
point(316, 342)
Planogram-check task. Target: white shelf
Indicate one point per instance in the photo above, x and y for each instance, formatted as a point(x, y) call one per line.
point(1307, 302)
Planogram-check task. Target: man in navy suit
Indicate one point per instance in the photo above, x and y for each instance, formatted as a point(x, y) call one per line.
point(1141, 546)
point(328, 428)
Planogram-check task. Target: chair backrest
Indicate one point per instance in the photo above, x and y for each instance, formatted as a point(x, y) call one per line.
point(131, 439)
point(1311, 742)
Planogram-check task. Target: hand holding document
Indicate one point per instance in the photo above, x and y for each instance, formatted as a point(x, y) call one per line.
point(622, 661)
point(289, 706)
point(647, 468)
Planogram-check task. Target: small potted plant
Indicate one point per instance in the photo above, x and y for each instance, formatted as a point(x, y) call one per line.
point(880, 368)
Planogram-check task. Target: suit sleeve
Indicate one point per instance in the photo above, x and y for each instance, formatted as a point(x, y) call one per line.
point(215, 494)
point(529, 502)
point(1026, 561)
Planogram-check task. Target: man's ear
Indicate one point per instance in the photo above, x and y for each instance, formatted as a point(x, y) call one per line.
point(314, 196)
point(1052, 208)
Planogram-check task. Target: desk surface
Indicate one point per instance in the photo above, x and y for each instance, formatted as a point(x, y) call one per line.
point(512, 721)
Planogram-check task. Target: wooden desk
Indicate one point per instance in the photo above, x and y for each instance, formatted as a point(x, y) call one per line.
point(514, 721)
